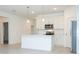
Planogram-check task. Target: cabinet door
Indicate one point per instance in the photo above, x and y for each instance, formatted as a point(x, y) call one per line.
point(40, 24)
point(59, 37)
point(59, 22)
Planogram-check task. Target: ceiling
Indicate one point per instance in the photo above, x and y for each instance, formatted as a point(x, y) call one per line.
point(33, 10)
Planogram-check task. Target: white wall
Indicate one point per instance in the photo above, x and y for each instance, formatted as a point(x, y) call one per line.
point(57, 19)
point(69, 15)
point(77, 14)
point(78, 36)
point(16, 27)
point(1, 28)
point(27, 27)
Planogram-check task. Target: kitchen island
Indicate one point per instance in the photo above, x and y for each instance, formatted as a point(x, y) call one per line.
point(38, 42)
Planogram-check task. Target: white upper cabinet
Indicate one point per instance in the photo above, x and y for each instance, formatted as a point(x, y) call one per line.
point(56, 20)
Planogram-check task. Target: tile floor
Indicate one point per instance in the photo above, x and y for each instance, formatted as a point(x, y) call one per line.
point(16, 49)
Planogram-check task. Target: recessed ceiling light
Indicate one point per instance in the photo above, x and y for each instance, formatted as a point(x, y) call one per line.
point(28, 21)
point(33, 12)
point(55, 8)
point(43, 19)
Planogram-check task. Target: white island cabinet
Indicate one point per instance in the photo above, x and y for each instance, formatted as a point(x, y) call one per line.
point(38, 42)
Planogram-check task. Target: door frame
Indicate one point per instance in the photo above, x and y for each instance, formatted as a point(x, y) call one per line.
point(5, 41)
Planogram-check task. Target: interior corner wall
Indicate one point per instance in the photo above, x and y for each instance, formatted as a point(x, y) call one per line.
point(16, 27)
point(1, 30)
point(27, 26)
point(30, 28)
point(69, 15)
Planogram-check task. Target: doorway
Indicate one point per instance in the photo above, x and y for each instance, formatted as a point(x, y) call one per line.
point(5, 33)
point(74, 36)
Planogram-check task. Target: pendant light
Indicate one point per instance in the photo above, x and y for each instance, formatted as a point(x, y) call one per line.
point(28, 21)
point(43, 19)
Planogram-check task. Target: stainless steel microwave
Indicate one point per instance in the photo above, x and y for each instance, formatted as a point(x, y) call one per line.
point(48, 26)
